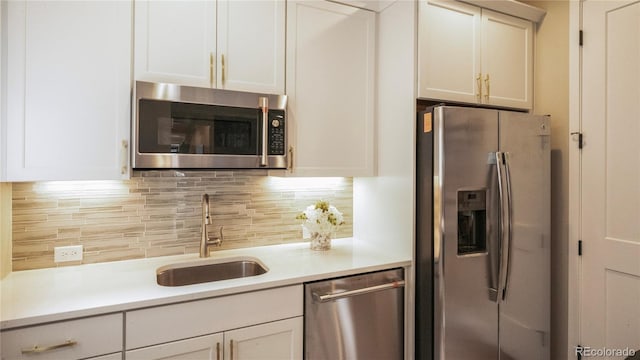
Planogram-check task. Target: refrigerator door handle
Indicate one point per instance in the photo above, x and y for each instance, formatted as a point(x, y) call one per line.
point(497, 295)
point(508, 236)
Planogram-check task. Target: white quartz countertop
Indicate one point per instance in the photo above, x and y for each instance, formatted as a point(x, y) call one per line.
point(38, 296)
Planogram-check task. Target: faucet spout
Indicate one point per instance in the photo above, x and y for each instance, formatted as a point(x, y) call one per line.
point(206, 219)
point(207, 240)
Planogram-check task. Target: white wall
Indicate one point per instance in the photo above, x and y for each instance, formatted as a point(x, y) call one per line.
point(5, 229)
point(551, 96)
point(384, 205)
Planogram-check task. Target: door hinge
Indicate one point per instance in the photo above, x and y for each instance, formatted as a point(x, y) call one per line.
point(581, 38)
point(579, 247)
point(580, 143)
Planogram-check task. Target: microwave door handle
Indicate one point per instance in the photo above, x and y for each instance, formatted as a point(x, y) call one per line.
point(263, 103)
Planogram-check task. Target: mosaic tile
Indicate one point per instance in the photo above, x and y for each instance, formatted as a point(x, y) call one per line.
point(158, 213)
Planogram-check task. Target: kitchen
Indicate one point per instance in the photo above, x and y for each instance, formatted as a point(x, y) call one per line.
point(379, 209)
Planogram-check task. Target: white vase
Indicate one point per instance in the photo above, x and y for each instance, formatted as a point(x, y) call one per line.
point(320, 241)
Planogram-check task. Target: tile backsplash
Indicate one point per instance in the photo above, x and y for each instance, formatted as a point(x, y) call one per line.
point(158, 213)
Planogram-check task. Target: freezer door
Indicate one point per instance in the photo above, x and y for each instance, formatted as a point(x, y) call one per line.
point(465, 239)
point(525, 309)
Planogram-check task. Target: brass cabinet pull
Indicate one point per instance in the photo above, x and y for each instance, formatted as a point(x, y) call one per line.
point(487, 84)
point(231, 349)
point(479, 86)
point(124, 157)
point(218, 351)
point(212, 69)
point(223, 69)
point(40, 349)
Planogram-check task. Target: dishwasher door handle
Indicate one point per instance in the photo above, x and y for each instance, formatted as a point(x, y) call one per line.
point(343, 294)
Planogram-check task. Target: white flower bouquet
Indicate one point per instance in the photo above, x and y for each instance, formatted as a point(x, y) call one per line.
point(321, 218)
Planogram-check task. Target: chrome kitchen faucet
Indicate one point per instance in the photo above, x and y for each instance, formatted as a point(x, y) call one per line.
point(205, 239)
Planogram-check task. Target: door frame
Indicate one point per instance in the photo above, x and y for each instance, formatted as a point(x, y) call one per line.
point(574, 262)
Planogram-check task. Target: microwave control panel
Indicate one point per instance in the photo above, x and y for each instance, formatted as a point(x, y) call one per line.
point(276, 133)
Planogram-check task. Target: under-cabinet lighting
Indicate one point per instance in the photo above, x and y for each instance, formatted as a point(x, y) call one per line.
point(81, 188)
point(303, 183)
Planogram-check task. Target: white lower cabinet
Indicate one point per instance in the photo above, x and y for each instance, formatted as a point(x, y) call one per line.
point(73, 339)
point(207, 347)
point(278, 340)
point(265, 324)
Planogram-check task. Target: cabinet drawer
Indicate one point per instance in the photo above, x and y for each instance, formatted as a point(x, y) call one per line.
point(180, 321)
point(92, 336)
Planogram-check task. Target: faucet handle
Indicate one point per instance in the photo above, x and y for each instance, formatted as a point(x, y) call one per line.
point(216, 240)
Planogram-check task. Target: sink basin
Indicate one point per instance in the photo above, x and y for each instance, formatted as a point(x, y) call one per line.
point(207, 270)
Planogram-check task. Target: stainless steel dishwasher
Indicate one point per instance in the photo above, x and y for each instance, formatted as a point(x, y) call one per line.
point(355, 317)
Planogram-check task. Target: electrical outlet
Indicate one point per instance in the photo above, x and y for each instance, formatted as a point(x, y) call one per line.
point(67, 253)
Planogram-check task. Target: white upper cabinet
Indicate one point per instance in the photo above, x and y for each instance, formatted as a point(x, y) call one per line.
point(449, 56)
point(507, 60)
point(236, 45)
point(251, 42)
point(473, 55)
point(68, 82)
point(175, 41)
point(330, 88)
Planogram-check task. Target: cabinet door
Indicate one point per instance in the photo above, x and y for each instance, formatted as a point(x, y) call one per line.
point(251, 45)
point(330, 87)
point(72, 339)
point(175, 42)
point(449, 51)
point(507, 56)
point(207, 347)
point(278, 340)
point(68, 89)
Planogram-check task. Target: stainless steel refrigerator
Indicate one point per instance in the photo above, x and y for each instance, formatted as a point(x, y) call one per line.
point(482, 234)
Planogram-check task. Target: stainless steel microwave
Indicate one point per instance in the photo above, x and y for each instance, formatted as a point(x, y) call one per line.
point(183, 127)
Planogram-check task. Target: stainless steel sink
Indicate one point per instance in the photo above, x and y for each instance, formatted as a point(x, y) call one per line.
point(196, 272)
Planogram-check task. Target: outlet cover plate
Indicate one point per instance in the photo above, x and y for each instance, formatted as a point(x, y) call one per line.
point(67, 253)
